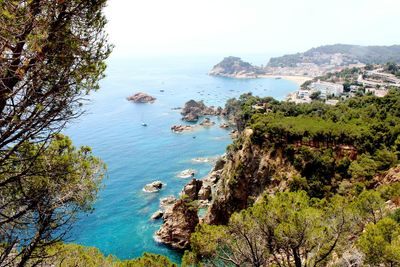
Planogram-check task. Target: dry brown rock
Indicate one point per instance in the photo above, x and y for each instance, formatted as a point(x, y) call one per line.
point(141, 98)
point(179, 223)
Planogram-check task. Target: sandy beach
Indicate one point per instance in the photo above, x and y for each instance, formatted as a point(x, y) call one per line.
point(299, 80)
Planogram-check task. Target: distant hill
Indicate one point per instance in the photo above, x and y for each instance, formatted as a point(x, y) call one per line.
point(234, 67)
point(340, 55)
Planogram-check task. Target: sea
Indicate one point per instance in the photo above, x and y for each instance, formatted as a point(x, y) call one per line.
point(136, 155)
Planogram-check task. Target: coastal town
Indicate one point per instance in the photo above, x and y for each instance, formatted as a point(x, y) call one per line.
point(327, 73)
point(374, 80)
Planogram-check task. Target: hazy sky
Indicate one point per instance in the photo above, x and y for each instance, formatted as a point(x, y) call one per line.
point(236, 27)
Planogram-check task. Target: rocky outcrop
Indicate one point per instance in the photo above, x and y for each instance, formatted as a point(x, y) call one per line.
point(182, 128)
point(141, 98)
point(193, 110)
point(186, 173)
point(191, 190)
point(167, 202)
point(179, 223)
point(235, 67)
point(249, 171)
point(157, 215)
point(153, 187)
point(389, 177)
point(180, 216)
point(207, 123)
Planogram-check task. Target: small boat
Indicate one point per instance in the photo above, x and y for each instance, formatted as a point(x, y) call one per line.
point(144, 124)
point(162, 91)
point(278, 78)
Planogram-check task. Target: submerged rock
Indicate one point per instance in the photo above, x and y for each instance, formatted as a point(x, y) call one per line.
point(141, 98)
point(186, 173)
point(153, 187)
point(207, 122)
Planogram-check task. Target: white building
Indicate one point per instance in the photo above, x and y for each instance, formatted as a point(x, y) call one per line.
point(327, 88)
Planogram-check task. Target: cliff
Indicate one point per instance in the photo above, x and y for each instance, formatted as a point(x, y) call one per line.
point(250, 170)
point(235, 67)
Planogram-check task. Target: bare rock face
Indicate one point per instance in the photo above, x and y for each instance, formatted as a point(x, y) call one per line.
point(191, 190)
point(141, 98)
point(389, 177)
point(179, 223)
point(249, 171)
point(180, 216)
point(204, 193)
point(193, 110)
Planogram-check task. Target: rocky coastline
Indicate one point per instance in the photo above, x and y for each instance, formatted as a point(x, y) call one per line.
point(180, 216)
point(194, 110)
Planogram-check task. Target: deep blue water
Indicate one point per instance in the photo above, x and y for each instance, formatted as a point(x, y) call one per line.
point(137, 155)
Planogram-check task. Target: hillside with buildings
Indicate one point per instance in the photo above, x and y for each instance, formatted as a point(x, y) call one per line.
point(371, 79)
point(312, 63)
point(339, 55)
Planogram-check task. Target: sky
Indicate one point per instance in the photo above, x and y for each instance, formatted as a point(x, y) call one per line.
point(239, 27)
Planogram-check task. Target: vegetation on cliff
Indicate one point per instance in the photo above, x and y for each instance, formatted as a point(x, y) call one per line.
point(350, 54)
point(330, 180)
point(292, 229)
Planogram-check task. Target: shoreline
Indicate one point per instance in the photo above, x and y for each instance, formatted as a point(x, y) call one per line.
point(299, 80)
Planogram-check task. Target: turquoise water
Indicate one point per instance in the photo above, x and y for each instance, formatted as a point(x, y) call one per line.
point(137, 155)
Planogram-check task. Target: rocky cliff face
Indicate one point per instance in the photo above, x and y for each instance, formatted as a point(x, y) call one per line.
point(249, 171)
point(179, 223)
point(235, 183)
point(235, 67)
point(180, 216)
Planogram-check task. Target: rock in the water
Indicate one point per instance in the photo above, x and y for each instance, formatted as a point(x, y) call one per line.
point(193, 110)
point(167, 202)
point(186, 173)
point(157, 215)
point(224, 125)
point(153, 187)
point(181, 128)
point(141, 98)
point(179, 223)
point(207, 122)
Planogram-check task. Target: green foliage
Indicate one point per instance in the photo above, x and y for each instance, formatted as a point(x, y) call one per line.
point(285, 229)
point(53, 56)
point(61, 182)
point(370, 206)
point(355, 140)
point(380, 243)
point(66, 255)
point(363, 168)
